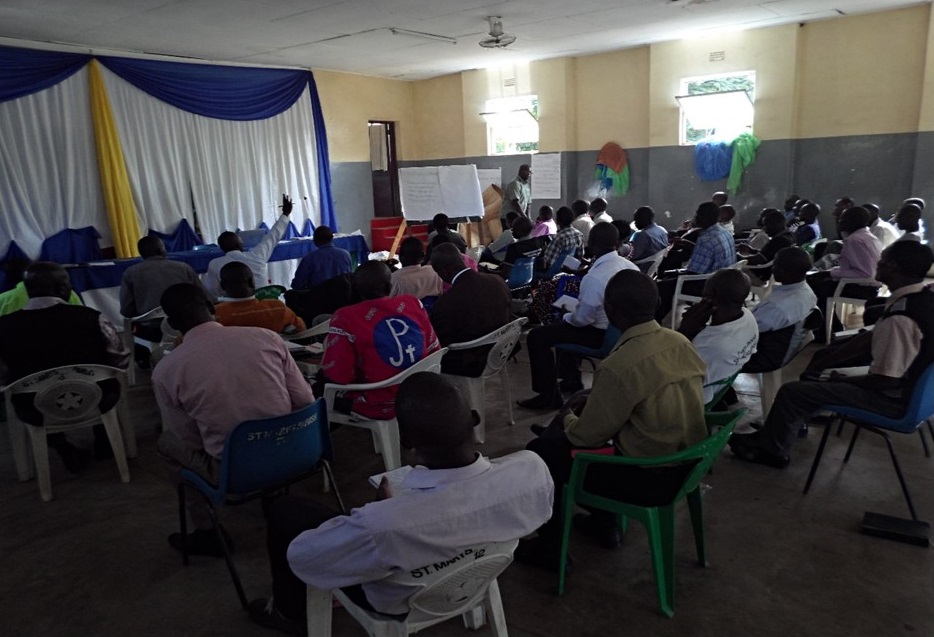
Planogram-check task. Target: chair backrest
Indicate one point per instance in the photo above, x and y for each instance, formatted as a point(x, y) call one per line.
point(521, 272)
point(509, 335)
point(921, 404)
point(454, 586)
point(555, 266)
point(722, 386)
point(654, 261)
point(65, 395)
point(260, 454)
point(318, 330)
point(269, 292)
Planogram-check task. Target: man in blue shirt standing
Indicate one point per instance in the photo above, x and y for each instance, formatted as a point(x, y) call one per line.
point(322, 265)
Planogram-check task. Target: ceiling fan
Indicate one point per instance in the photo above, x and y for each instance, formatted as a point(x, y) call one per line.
point(497, 39)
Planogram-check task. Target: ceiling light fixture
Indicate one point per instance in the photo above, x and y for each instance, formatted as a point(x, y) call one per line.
point(425, 36)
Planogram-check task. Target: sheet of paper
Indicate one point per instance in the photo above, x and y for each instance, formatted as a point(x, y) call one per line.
point(395, 477)
point(420, 192)
point(489, 176)
point(568, 303)
point(546, 176)
point(460, 191)
point(571, 263)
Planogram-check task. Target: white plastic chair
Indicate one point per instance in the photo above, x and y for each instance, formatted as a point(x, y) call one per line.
point(845, 303)
point(67, 397)
point(467, 588)
point(760, 292)
point(503, 340)
point(129, 340)
point(385, 432)
point(318, 330)
point(681, 299)
point(655, 260)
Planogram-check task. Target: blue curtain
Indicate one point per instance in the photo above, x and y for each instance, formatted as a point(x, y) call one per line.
point(28, 71)
point(72, 246)
point(222, 92)
point(179, 240)
point(11, 266)
point(328, 218)
point(291, 232)
point(712, 160)
point(308, 229)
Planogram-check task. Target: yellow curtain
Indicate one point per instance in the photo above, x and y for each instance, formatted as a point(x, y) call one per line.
point(124, 223)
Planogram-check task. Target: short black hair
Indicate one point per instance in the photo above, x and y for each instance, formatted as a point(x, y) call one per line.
point(913, 258)
point(411, 250)
point(564, 216)
point(580, 207)
point(707, 214)
point(183, 302)
point(440, 222)
point(323, 236)
point(521, 228)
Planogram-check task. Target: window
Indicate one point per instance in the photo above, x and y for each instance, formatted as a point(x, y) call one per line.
point(512, 125)
point(716, 107)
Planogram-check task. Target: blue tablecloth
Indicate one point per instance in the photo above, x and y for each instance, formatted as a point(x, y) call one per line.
point(108, 274)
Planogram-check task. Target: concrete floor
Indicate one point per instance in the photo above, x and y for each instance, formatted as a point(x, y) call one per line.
point(95, 562)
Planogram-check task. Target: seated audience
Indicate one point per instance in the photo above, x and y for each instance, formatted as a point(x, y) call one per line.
point(240, 307)
point(583, 222)
point(720, 198)
point(374, 340)
point(567, 238)
point(908, 222)
point(725, 219)
point(897, 351)
point(476, 305)
point(413, 278)
point(256, 258)
point(882, 230)
point(453, 499)
point(758, 237)
point(49, 332)
point(545, 224)
point(780, 316)
point(714, 250)
point(525, 245)
point(646, 399)
point(792, 209)
point(495, 252)
point(16, 298)
point(143, 284)
point(723, 331)
point(773, 225)
point(322, 265)
point(598, 211)
point(809, 228)
point(444, 234)
point(215, 379)
point(649, 238)
point(858, 259)
point(585, 325)
point(625, 234)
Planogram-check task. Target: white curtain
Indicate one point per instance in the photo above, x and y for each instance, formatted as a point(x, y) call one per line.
point(236, 171)
point(49, 179)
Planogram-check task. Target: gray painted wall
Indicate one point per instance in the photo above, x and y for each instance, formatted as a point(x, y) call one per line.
point(883, 169)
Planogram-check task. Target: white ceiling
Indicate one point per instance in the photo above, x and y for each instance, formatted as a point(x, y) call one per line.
point(355, 36)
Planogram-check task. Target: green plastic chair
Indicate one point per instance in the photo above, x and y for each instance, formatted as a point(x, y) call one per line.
point(659, 521)
point(269, 292)
point(722, 386)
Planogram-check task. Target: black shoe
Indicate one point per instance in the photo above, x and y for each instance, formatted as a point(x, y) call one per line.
point(542, 401)
point(540, 553)
point(203, 542)
point(595, 527)
point(753, 453)
point(570, 386)
point(265, 613)
point(75, 460)
point(538, 430)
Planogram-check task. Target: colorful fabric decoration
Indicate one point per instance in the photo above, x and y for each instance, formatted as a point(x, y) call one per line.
point(744, 154)
point(712, 160)
point(613, 169)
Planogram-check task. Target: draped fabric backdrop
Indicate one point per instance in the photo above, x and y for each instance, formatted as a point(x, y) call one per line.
point(226, 141)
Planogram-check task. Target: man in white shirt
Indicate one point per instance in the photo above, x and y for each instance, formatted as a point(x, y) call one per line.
point(583, 222)
point(585, 325)
point(727, 342)
point(598, 211)
point(908, 222)
point(884, 231)
point(453, 500)
point(256, 258)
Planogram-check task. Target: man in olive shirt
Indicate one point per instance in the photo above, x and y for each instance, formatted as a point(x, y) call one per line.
point(647, 398)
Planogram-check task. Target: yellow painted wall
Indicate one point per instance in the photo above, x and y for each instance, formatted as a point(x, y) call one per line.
point(554, 83)
point(612, 95)
point(349, 101)
point(769, 52)
point(863, 75)
point(439, 116)
point(926, 117)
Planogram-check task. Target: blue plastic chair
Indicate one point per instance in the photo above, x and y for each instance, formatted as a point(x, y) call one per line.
point(555, 267)
point(520, 275)
point(610, 339)
point(920, 408)
point(262, 457)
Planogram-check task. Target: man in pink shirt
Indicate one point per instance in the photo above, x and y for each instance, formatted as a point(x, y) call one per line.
point(217, 378)
point(545, 224)
point(858, 259)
